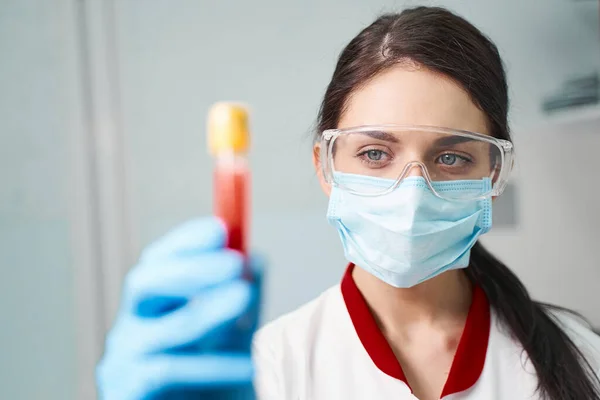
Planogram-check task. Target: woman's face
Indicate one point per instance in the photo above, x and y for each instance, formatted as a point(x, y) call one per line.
point(411, 96)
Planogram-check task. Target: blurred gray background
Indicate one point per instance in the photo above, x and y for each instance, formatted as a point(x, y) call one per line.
point(102, 115)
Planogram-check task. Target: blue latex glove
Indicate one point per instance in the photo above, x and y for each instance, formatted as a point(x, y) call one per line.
point(186, 322)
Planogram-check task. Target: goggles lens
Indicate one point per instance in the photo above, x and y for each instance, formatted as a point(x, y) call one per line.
point(447, 159)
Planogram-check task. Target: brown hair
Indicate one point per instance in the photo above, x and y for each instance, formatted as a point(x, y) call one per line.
point(446, 43)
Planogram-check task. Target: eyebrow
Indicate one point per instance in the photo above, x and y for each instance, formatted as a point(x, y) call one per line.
point(452, 140)
point(441, 142)
point(381, 135)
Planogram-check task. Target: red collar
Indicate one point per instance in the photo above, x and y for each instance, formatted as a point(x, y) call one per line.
point(470, 354)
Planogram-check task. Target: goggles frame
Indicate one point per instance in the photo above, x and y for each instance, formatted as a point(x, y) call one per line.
point(505, 147)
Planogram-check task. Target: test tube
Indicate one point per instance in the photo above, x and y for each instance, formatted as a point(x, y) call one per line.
point(229, 141)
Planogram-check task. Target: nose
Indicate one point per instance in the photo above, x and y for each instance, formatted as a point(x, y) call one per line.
point(414, 168)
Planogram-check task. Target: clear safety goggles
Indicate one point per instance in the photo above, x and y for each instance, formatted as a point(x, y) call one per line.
point(373, 160)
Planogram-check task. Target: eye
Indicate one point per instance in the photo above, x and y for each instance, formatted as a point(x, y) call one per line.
point(374, 158)
point(374, 155)
point(451, 160)
point(448, 159)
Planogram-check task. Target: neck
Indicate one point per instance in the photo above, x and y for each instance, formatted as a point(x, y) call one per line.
point(441, 301)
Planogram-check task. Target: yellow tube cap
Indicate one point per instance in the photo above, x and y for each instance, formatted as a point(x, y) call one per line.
point(228, 128)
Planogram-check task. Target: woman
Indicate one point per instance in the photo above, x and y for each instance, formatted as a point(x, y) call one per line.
point(413, 145)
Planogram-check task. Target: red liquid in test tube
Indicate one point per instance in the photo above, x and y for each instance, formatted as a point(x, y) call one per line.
point(229, 138)
point(231, 200)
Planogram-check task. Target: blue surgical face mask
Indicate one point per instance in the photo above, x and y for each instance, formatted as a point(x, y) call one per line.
point(409, 235)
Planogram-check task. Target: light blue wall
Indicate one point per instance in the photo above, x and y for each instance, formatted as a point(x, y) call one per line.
point(37, 328)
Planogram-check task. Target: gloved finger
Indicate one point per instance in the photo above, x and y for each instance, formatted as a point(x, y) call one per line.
point(213, 314)
point(161, 373)
point(147, 378)
point(238, 392)
point(237, 337)
point(190, 238)
point(216, 310)
point(150, 285)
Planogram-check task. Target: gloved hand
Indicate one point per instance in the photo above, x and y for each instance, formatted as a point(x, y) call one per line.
point(186, 321)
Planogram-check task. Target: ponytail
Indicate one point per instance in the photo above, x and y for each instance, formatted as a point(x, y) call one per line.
point(562, 370)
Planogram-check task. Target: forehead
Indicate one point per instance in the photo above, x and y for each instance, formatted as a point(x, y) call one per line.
point(413, 96)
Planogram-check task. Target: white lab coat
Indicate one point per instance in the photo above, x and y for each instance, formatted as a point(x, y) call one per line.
point(332, 349)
